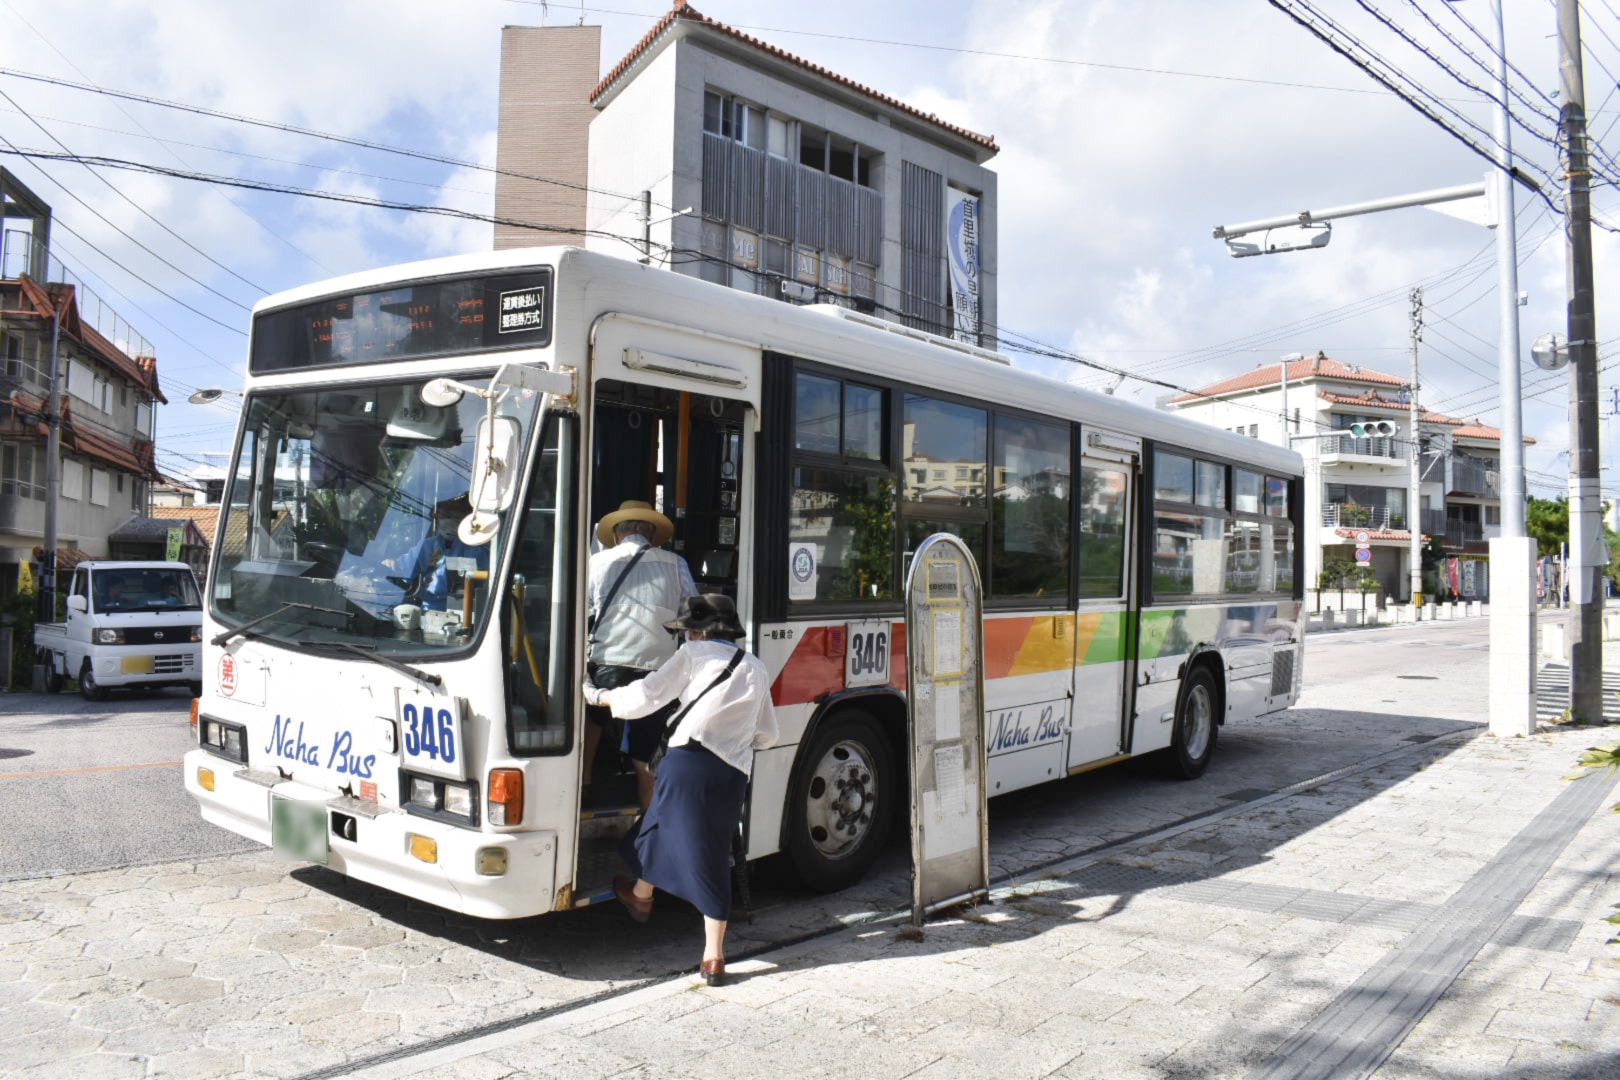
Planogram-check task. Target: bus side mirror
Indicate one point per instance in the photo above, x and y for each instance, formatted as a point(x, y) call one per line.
point(496, 450)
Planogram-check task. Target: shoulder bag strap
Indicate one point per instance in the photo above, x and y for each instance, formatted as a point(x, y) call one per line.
point(675, 721)
point(613, 590)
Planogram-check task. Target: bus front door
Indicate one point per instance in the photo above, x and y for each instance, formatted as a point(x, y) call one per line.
point(1103, 660)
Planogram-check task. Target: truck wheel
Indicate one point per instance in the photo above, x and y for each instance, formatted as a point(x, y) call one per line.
point(53, 675)
point(841, 803)
point(1193, 742)
point(92, 690)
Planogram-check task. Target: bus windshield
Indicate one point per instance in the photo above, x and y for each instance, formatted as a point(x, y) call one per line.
point(340, 519)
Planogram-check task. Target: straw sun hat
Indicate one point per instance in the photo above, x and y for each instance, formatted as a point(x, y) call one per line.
point(635, 510)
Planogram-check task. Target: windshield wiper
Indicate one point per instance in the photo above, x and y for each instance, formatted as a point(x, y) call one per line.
point(370, 653)
point(246, 629)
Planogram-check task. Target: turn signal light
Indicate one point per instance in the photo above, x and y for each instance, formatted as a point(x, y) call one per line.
point(505, 797)
point(195, 702)
point(424, 848)
point(205, 779)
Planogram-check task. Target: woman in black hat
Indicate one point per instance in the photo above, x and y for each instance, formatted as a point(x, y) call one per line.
point(683, 844)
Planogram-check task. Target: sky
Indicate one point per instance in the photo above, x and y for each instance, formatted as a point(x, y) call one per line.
point(1127, 131)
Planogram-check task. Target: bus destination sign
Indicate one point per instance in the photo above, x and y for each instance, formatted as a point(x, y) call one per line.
point(407, 322)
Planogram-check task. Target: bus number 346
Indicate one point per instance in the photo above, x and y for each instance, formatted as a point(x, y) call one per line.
point(429, 733)
point(868, 662)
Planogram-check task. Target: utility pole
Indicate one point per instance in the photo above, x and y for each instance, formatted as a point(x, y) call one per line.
point(1585, 536)
point(1414, 516)
point(46, 600)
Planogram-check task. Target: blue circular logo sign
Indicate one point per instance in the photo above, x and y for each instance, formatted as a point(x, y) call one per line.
point(804, 565)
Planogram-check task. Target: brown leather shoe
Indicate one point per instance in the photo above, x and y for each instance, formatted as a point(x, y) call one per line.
point(625, 889)
point(713, 972)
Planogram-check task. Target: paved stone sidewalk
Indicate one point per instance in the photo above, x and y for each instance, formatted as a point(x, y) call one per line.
point(1195, 954)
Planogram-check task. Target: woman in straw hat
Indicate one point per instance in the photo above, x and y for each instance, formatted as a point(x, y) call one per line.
point(683, 844)
point(635, 587)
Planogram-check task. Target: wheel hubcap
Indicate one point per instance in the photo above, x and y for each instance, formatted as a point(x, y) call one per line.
point(838, 807)
point(1197, 722)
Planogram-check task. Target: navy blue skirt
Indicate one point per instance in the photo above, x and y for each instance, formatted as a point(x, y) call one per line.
point(683, 844)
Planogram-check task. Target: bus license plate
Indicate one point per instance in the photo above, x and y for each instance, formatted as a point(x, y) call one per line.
point(866, 654)
point(298, 829)
point(430, 734)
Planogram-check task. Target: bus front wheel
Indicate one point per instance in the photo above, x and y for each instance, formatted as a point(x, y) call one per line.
point(841, 803)
point(1193, 742)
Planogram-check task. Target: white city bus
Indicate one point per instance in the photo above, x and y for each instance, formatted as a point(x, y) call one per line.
point(415, 721)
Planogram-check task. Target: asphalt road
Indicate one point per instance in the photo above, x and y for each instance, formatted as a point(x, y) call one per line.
point(95, 785)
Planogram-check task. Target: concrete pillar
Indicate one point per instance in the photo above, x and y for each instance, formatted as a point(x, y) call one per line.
point(1513, 636)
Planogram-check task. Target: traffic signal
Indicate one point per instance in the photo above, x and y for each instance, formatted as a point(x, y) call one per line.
point(1372, 427)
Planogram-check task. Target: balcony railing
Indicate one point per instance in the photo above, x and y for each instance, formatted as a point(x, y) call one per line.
point(1375, 446)
point(1473, 476)
point(1351, 516)
point(20, 255)
point(1451, 531)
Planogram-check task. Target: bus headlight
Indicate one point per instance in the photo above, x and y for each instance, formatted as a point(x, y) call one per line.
point(223, 738)
point(109, 636)
point(446, 800)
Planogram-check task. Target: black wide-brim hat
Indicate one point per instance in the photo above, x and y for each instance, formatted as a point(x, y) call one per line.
point(712, 613)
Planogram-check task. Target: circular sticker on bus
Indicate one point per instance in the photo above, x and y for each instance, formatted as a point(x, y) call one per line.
point(227, 674)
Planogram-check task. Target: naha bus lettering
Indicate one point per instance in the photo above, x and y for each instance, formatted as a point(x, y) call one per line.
point(1015, 730)
point(290, 744)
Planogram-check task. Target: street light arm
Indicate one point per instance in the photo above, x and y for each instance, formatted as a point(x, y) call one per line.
point(1311, 217)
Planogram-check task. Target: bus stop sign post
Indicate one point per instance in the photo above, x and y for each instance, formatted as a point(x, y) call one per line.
point(950, 841)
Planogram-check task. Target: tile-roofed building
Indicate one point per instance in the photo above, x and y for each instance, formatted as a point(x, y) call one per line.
point(109, 389)
point(1361, 485)
point(717, 154)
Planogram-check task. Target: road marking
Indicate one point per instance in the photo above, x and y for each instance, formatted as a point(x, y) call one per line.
point(92, 769)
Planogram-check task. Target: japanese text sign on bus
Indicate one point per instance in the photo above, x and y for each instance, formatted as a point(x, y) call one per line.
point(945, 691)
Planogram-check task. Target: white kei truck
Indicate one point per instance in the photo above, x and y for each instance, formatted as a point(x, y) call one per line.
point(129, 624)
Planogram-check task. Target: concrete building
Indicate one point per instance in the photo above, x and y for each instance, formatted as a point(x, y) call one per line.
point(1356, 485)
point(109, 388)
point(716, 154)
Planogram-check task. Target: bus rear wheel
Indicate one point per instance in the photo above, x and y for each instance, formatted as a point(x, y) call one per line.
point(841, 803)
point(1192, 745)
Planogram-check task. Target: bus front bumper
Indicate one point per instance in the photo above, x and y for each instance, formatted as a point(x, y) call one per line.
point(414, 856)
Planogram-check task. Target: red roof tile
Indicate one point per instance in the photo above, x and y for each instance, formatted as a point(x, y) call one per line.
point(1315, 367)
point(206, 518)
point(684, 12)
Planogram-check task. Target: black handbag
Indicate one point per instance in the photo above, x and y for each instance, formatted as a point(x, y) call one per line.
point(675, 721)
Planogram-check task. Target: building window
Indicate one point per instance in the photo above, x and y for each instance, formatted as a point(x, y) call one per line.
point(22, 471)
point(1493, 515)
point(98, 487)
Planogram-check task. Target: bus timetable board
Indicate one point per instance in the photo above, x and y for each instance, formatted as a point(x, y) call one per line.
point(435, 318)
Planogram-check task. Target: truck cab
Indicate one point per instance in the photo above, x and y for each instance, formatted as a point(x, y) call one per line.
point(128, 624)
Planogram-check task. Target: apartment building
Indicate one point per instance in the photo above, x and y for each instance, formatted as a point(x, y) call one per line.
point(109, 388)
point(1362, 483)
point(713, 153)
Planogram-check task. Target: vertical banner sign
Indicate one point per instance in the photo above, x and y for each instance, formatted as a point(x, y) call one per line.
point(950, 848)
point(962, 254)
point(175, 538)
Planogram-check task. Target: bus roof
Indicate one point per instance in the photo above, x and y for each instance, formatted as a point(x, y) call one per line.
point(603, 283)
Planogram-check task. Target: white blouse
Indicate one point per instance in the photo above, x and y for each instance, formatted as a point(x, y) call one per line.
point(731, 721)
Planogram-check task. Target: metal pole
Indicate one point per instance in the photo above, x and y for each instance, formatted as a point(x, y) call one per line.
point(646, 226)
point(1585, 534)
point(1507, 285)
point(1285, 432)
point(1512, 552)
point(46, 601)
point(1414, 491)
